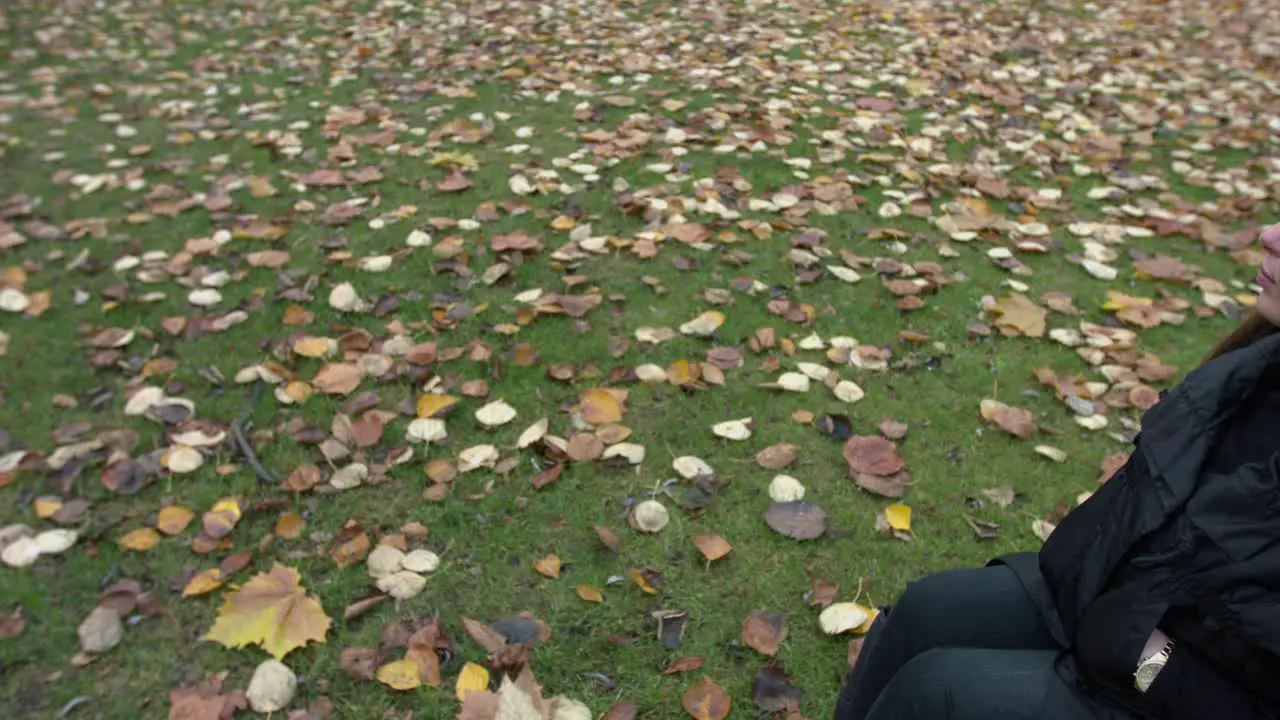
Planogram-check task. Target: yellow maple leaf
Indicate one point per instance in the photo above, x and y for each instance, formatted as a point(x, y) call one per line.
point(271, 610)
point(1017, 311)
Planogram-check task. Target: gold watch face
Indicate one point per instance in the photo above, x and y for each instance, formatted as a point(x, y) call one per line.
point(1147, 674)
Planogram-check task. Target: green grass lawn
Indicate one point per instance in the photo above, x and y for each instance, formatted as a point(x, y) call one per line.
point(660, 159)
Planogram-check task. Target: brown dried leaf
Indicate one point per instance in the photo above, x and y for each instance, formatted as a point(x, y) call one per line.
point(764, 631)
point(776, 457)
point(799, 520)
point(712, 547)
point(337, 378)
point(872, 455)
point(684, 664)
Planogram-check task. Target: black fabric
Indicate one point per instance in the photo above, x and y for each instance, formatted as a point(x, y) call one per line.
point(1246, 439)
point(963, 644)
point(1190, 688)
point(1185, 537)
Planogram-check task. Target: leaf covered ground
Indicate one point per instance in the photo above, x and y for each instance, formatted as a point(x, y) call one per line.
point(420, 359)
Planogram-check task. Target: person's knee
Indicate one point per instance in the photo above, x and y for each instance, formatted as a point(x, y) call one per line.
point(923, 598)
point(925, 688)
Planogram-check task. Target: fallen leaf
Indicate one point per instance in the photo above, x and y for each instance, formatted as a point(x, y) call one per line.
point(454, 182)
point(705, 325)
point(289, 526)
point(589, 594)
point(776, 457)
point(684, 664)
point(432, 405)
point(705, 700)
point(223, 517)
point(623, 710)
point(872, 455)
point(607, 537)
point(712, 547)
point(733, 429)
point(784, 488)
point(359, 662)
point(643, 582)
point(271, 610)
point(472, 678)
point(400, 675)
point(798, 520)
point(495, 414)
point(773, 691)
point(338, 378)
point(546, 477)
point(272, 687)
point(1015, 421)
point(599, 407)
point(100, 631)
point(13, 624)
point(204, 582)
point(842, 617)
point(1019, 313)
point(892, 429)
point(899, 517)
point(140, 540)
point(548, 566)
point(350, 548)
point(649, 516)
point(764, 631)
point(891, 486)
point(1042, 528)
point(173, 519)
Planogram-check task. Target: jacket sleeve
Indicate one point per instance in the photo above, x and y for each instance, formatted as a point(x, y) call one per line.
point(1189, 688)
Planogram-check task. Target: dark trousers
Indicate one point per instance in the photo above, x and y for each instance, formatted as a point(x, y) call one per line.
point(957, 645)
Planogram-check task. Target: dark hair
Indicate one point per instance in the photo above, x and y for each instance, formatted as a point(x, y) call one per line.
point(1251, 329)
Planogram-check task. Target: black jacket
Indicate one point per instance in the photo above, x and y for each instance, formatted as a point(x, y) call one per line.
point(1171, 541)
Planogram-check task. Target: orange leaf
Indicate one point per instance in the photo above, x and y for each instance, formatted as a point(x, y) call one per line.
point(638, 575)
point(599, 406)
point(684, 664)
point(549, 566)
point(712, 547)
point(590, 594)
point(140, 540)
point(174, 519)
point(705, 700)
point(351, 550)
point(290, 526)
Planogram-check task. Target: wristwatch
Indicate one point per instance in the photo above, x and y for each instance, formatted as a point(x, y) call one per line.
point(1148, 669)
